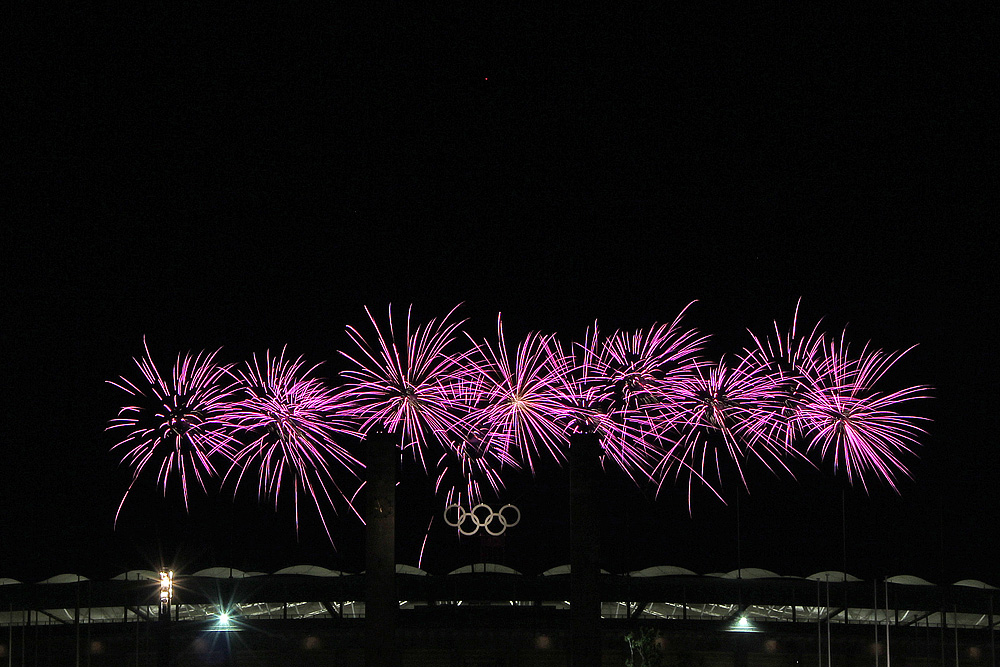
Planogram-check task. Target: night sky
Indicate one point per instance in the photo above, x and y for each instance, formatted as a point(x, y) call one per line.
point(249, 179)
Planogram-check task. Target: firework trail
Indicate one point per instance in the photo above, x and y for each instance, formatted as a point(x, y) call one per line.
point(791, 355)
point(474, 457)
point(406, 386)
point(499, 404)
point(177, 423)
point(290, 423)
point(466, 471)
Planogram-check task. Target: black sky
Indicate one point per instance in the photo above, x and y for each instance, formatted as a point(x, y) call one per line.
point(251, 178)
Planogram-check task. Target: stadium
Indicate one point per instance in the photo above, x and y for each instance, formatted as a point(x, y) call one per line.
point(488, 614)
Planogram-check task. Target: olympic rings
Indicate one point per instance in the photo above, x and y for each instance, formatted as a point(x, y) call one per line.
point(482, 515)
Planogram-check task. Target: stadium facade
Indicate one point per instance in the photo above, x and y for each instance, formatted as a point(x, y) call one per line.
point(487, 614)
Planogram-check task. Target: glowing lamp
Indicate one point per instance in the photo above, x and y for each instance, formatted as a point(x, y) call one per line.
point(166, 591)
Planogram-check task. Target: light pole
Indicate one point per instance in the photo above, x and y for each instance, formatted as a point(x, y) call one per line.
point(163, 631)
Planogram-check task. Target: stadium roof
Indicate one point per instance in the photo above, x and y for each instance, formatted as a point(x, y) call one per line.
point(747, 573)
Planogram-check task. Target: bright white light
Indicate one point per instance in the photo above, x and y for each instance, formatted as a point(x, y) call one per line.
point(224, 618)
point(166, 586)
point(743, 624)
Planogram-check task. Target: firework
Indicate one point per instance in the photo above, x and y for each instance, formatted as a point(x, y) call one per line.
point(843, 417)
point(520, 400)
point(176, 424)
point(627, 387)
point(406, 386)
point(644, 366)
point(732, 411)
point(290, 423)
point(793, 359)
point(831, 405)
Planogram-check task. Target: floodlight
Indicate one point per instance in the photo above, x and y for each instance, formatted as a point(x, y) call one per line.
point(166, 591)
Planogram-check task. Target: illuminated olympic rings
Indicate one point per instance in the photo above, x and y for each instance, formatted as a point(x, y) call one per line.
point(482, 515)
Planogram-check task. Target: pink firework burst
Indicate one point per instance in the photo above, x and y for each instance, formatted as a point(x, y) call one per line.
point(177, 423)
point(291, 423)
point(644, 367)
point(794, 359)
point(844, 418)
point(627, 387)
point(733, 411)
point(407, 384)
point(520, 399)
